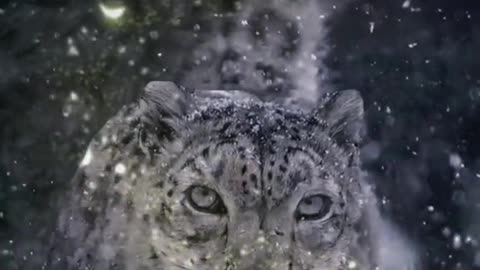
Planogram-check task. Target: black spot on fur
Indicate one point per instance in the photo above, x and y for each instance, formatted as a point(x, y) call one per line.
point(146, 217)
point(134, 123)
point(351, 160)
point(295, 137)
point(127, 139)
point(229, 110)
point(108, 168)
point(269, 175)
point(280, 123)
point(153, 254)
point(244, 169)
point(172, 180)
point(82, 177)
point(170, 193)
point(282, 168)
point(163, 209)
point(89, 217)
point(130, 205)
point(295, 178)
point(253, 178)
point(206, 152)
point(117, 179)
point(159, 184)
point(190, 162)
point(225, 127)
point(194, 239)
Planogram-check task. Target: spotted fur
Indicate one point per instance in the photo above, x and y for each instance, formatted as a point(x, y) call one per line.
point(128, 208)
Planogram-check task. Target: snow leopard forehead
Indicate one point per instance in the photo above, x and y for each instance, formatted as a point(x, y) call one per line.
point(202, 116)
point(251, 117)
point(278, 147)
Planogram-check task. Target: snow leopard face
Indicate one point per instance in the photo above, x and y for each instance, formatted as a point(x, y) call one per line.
point(216, 180)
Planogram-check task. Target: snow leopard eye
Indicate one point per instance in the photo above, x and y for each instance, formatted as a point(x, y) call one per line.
point(314, 207)
point(204, 199)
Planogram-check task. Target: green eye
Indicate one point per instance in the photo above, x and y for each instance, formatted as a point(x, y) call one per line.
point(313, 207)
point(204, 199)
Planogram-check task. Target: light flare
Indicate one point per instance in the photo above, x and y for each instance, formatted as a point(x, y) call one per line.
point(112, 12)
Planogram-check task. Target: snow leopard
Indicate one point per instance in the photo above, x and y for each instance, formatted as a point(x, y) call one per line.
point(211, 179)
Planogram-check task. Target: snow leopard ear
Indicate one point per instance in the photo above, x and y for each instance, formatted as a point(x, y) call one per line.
point(164, 99)
point(162, 106)
point(343, 114)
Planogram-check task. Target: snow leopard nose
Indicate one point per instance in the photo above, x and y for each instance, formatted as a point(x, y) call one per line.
point(252, 240)
point(243, 228)
point(249, 228)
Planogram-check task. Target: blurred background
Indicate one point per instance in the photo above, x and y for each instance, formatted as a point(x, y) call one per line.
point(66, 66)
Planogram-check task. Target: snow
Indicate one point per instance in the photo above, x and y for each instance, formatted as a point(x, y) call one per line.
point(87, 159)
point(111, 12)
point(120, 169)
